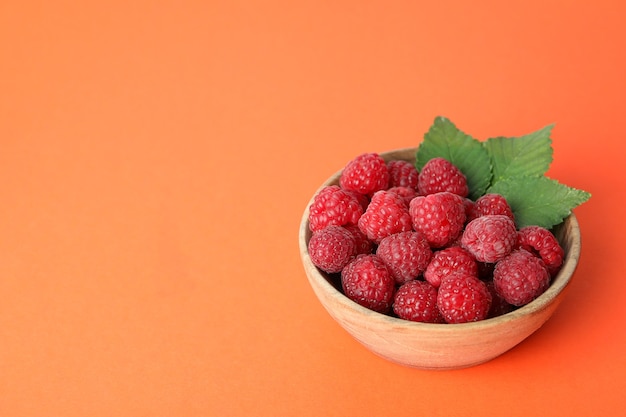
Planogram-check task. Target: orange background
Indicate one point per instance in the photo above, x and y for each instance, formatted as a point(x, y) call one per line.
point(156, 158)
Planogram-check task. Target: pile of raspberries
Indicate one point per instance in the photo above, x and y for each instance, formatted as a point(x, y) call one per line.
point(412, 244)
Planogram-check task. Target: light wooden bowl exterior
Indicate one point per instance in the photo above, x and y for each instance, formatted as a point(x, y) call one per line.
point(440, 346)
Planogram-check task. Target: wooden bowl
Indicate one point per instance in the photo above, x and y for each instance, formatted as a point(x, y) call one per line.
point(439, 346)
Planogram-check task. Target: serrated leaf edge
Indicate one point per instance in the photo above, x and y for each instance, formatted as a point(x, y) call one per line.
point(549, 128)
point(585, 196)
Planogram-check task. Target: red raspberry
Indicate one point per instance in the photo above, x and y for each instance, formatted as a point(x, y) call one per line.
point(499, 306)
point(439, 217)
point(463, 298)
point(490, 204)
point(520, 277)
point(402, 174)
point(333, 206)
point(361, 198)
point(367, 281)
point(332, 248)
point(386, 214)
point(439, 174)
point(489, 238)
point(406, 254)
point(365, 174)
point(448, 261)
point(455, 242)
point(417, 301)
point(364, 246)
point(541, 242)
point(469, 208)
point(407, 193)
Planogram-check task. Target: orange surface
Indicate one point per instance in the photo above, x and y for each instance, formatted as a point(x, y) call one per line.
point(156, 158)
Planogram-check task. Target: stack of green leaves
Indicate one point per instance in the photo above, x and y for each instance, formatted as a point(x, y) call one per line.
point(514, 167)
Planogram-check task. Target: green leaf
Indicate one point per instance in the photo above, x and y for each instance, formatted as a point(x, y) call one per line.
point(539, 200)
point(444, 140)
point(520, 156)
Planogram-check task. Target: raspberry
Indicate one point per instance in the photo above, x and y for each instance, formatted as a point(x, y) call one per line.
point(521, 277)
point(361, 198)
point(448, 261)
point(463, 298)
point(406, 254)
point(332, 248)
point(363, 244)
point(541, 242)
point(439, 174)
point(499, 306)
point(333, 206)
point(367, 281)
point(417, 301)
point(455, 242)
point(402, 174)
point(439, 217)
point(365, 174)
point(489, 238)
point(469, 208)
point(490, 204)
point(407, 193)
point(386, 214)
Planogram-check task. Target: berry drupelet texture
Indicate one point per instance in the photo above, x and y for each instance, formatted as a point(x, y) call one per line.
point(490, 204)
point(440, 217)
point(438, 175)
point(448, 261)
point(367, 281)
point(386, 214)
point(332, 248)
point(520, 277)
point(406, 254)
point(365, 174)
point(334, 206)
point(417, 301)
point(402, 174)
point(463, 298)
point(489, 238)
point(541, 242)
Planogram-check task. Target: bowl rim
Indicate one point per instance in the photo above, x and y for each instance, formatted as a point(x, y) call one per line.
point(557, 285)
